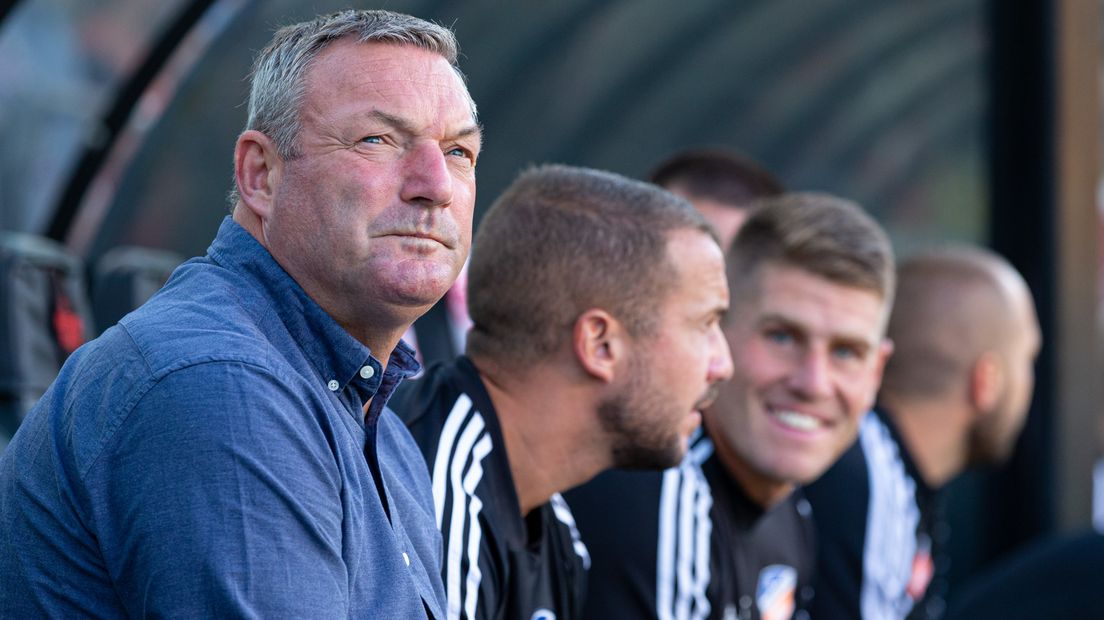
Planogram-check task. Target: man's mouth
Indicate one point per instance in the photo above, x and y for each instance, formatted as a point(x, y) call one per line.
point(424, 237)
point(707, 399)
point(796, 420)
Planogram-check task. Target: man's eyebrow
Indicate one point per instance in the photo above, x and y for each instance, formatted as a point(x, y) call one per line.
point(471, 130)
point(397, 122)
point(847, 338)
point(777, 317)
point(406, 126)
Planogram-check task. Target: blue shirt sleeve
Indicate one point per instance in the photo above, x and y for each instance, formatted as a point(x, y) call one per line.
point(220, 495)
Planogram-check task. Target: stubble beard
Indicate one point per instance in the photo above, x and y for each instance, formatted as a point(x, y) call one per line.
point(633, 419)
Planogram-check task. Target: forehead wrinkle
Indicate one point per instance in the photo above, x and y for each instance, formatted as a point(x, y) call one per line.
point(340, 68)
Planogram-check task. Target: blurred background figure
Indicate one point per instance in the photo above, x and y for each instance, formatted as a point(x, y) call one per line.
point(720, 184)
point(955, 394)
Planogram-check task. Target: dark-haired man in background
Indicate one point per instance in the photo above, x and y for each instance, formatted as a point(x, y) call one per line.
point(721, 184)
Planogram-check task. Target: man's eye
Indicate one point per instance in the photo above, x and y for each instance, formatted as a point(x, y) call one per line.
point(372, 139)
point(844, 352)
point(458, 151)
point(779, 336)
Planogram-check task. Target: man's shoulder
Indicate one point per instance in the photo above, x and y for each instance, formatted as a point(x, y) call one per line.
point(205, 313)
point(846, 482)
point(453, 423)
point(446, 405)
point(424, 399)
point(619, 505)
point(195, 341)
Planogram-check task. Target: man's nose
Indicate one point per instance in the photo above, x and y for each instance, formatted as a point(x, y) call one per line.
point(812, 376)
point(720, 361)
point(427, 179)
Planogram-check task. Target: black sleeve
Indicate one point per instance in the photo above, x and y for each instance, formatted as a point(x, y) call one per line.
point(617, 517)
point(839, 500)
point(1056, 578)
point(474, 563)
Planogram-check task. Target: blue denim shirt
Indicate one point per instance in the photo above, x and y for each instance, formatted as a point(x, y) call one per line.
point(209, 456)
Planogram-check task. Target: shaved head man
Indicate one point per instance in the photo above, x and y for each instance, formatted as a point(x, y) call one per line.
point(966, 336)
point(955, 394)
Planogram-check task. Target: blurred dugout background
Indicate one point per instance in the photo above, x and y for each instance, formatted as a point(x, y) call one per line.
point(966, 120)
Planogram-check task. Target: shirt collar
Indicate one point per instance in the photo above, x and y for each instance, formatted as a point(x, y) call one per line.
point(886, 418)
point(340, 360)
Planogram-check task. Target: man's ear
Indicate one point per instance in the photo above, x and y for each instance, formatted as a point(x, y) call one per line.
point(599, 343)
point(882, 355)
point(986, 382)
point(257, 168)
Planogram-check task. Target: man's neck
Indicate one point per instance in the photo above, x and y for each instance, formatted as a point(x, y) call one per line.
point(763, 490)
point(935, 434)
point(547, 447)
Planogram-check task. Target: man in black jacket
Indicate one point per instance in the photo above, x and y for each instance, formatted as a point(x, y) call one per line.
point(596, 303)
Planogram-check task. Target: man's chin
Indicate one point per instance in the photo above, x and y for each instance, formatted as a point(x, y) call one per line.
point(693, 423)
point(419, 289)
point(652, 459)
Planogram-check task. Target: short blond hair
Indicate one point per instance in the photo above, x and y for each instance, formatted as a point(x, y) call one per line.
point(824, 235)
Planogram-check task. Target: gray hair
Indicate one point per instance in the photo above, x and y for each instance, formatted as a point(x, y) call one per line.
point(278, 88)
point(277, 84)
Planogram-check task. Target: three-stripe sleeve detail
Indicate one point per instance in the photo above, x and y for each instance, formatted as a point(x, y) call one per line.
point(457, 471)
point(683, 546)
point(564, 515)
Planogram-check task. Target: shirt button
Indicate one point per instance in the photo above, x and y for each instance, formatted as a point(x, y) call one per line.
point(333, 385)
point(367, 372)
point(406, 558)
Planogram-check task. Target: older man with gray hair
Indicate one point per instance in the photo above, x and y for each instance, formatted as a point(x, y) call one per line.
point(225, 450)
